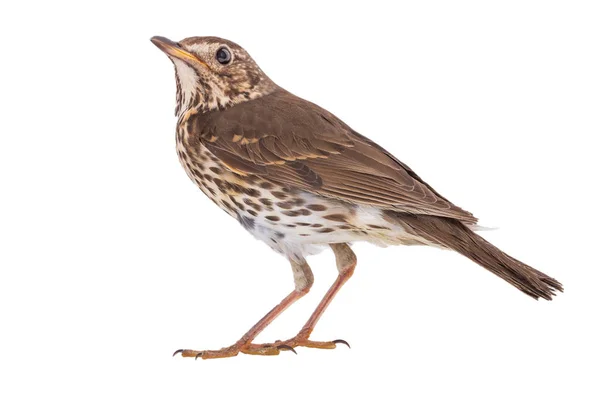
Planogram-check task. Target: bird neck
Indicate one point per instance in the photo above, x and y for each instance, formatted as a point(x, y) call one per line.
point(208, 97)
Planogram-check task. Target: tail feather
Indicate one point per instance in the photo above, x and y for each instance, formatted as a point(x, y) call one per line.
point(454, 235)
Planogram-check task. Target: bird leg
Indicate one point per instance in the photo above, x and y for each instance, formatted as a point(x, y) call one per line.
point(346, 262)
point(303, 279)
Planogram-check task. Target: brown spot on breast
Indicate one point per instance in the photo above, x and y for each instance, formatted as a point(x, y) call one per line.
point(266, 185)
point(316, 207)
point(290, 213)
point(235, 188)
point(252, 212)
point(285, 204)
point(208, 177)
point(215, 170)
point(302, 223)
point(252, 192)
point(252, 204)
point(325, 230)
point(266, 201)
point(236, 203)
point(228, 206)
point(272, 218)
point(304, 211)
point(279, 194)
point(336, 217)
point(378, 227)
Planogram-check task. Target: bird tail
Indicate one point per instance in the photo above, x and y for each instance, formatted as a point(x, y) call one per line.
point(453, 234)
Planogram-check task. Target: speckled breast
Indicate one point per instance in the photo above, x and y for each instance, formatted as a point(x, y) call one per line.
point(290, 221)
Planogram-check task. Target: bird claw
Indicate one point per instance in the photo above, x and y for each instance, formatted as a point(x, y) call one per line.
point(287, 347)
point(198, 355)
point(342, 342)
point(177, 351)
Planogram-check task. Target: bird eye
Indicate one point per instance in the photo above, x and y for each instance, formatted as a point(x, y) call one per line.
point(223, 55)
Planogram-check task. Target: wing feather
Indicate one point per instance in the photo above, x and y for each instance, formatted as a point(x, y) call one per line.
point(288, 140)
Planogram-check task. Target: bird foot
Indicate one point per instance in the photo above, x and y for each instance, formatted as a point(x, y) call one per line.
point(290, 345)
point(234, 350)
point(229, 351)
point(262, 349)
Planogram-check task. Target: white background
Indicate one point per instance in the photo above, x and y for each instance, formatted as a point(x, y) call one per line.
point(111, 258)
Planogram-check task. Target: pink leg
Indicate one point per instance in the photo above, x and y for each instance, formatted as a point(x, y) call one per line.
point(346, 262)
point(303, 278)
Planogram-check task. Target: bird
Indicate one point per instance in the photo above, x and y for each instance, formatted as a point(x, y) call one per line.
point(301, 180)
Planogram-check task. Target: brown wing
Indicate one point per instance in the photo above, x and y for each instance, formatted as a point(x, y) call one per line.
point(288, 140)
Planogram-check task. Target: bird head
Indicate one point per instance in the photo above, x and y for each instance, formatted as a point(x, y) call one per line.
point(213, 73)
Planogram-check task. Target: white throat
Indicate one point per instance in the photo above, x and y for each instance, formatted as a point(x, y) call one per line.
point(188, 83)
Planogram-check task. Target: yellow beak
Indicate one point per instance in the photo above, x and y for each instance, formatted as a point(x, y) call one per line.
point(175, 50)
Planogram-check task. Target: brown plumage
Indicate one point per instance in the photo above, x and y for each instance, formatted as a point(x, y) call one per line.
point(455, 235)
point(297, 177)
point(296, 143)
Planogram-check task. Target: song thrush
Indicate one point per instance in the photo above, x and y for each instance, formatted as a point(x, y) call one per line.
point(298, 178)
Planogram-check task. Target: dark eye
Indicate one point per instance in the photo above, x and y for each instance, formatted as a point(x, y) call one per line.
point(223, 55)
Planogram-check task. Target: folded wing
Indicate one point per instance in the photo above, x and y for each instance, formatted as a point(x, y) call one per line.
point(285, 139)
